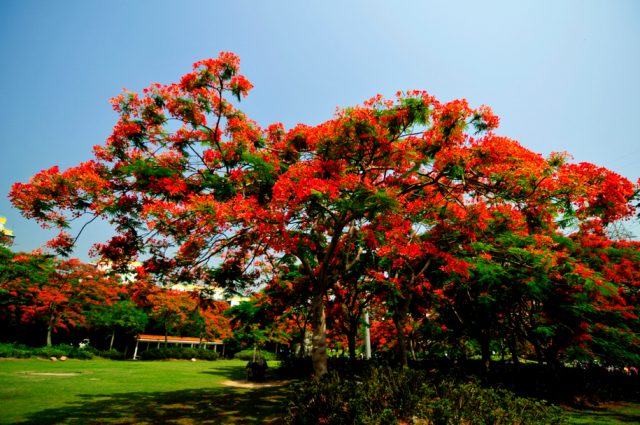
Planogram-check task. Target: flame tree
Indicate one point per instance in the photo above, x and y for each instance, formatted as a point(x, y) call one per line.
point(391, 176)
point(62, 294)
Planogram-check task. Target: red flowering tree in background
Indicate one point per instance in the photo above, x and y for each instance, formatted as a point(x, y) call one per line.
point(389, 183)
point(287, 301)
point(346, 307)
point(171, 309)
point(209, 322)
point(63, 294)
point(16, 268)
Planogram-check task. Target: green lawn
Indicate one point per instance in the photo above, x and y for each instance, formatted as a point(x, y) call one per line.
point(164, 392)
point(128, 392)
point(624, 413)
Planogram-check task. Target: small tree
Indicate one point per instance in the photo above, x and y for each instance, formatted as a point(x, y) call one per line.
point(171, 309)
point(209, 322)
point(124, 314)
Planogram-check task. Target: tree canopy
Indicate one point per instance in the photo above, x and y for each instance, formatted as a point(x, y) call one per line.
point(416, 198)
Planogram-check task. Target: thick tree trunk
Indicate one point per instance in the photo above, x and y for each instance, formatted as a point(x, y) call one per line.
point(484, 341)
point(463, 350)
point(49, 330)
point(319, 339)
point(402, 340)
point(413, 353)
point(551, 357)
point(303, 338)
point(351, 338)
point(166, 336)
point(538, 355)
point(398, 318)
point(514, 352)
point(113, 335)
point(402, 344)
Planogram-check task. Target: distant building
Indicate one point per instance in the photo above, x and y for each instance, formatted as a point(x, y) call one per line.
point(130, 277)
point(127, 277)
point(218, 294)
point(6, 235)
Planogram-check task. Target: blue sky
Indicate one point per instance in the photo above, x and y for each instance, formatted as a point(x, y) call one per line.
point(562, 76)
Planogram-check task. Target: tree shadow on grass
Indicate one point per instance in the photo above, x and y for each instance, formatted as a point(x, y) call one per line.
point(240, 373)
point(623, 414)
point(199, 406)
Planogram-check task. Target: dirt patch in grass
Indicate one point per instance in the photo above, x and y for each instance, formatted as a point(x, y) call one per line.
point(245, 384)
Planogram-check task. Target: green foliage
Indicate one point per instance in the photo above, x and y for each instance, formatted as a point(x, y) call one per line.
point(382, 395)
point(569, 385)
point(127, 315)
point(20, 351)
point(123, 314)
point(178, 353)
point(248, 355)
point(251, 324)
point(63, 350)
point(112, 354)
point(15, 351)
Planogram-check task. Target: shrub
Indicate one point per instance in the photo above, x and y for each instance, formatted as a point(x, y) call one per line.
point(569, 385)
point(112, 354)
point(69, 351)
point(189, 353)
point(300, 367)
point(382, 395)
point(14, 350)
point(53, 351)
point(248, 355)
point(178, 353)
point(207, 355)
point(81, 354)
point(90, 349)
point(84, 353)
point(153, 354)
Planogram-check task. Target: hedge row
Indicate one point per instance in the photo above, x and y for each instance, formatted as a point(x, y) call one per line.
point(248, 355)
point(177, 353)
point(86, 353)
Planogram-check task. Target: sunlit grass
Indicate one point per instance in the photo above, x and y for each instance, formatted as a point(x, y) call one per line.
point(164, 392)
point(618, 413)
point(113, 392)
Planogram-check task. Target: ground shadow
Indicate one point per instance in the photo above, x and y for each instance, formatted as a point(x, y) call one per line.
point(232, 372)
point(219, 405)
point(200, 406)
point(235, 373)
point(620, 413)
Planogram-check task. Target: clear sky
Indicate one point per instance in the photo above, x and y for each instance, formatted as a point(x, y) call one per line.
point(562, 76)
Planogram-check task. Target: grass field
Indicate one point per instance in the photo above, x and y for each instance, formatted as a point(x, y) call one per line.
point(164, 392)
point(624, 413)
point(115, 392)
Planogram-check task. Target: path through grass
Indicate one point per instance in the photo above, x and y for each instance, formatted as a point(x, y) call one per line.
point(128, 392)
